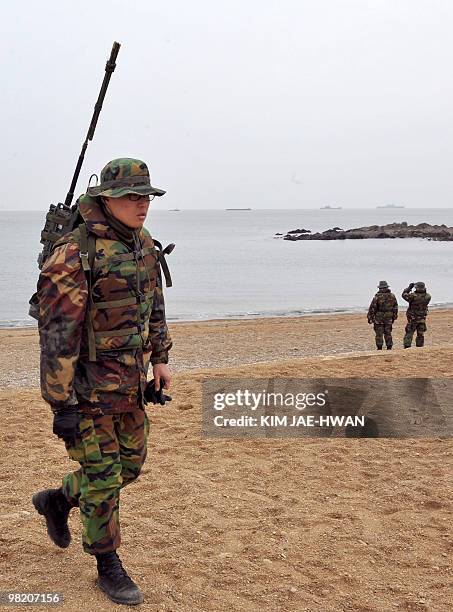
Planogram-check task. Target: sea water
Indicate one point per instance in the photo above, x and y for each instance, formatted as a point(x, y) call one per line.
point(230, 263)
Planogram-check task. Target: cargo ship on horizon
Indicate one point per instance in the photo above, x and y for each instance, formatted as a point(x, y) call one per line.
point(391, 206)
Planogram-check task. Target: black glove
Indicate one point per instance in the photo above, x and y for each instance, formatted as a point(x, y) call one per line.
point(66, 423)
point(411, 286)
point(156, 397)
point(370, 320)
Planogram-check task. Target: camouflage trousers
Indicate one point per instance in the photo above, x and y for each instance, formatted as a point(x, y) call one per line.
point(411, 328)
point(383, 330)
point(111, 450)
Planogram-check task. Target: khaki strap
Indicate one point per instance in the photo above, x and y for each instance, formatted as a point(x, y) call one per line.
point(131, 255)
point(91, 250)
point(121, 257)
point(146, 251)
point(87, 247)
point(91, 257)
point(123, 302)
point(84, 248)
point(129, 331)
point(115, 303)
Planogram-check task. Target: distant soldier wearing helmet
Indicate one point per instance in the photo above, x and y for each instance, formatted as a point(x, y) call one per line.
point(101, 323)
point(416, 313)
point(383, 311)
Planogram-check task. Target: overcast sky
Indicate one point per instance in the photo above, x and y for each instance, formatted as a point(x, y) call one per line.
point(233, 103)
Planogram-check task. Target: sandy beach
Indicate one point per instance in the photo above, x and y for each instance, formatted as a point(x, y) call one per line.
point(225, 342)
point(324, 525)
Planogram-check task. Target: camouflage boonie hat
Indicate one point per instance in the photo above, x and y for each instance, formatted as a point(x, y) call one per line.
point(383, 285)
point(420, 285)
point(123, 176)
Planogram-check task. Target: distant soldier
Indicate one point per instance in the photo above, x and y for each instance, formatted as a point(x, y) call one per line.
point(416, 313)
point(382, 312)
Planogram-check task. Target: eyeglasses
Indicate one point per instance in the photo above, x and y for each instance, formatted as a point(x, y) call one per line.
point(136, 197)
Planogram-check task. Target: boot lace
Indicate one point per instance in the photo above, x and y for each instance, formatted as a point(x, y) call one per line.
point(112, 568)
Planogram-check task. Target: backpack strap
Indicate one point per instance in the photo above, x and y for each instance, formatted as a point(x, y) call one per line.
point(87, 247)
point(163, 262)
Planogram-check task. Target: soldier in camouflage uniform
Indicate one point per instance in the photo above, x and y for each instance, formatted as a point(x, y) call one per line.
point(416, 313)
point(383, 311)
point(100, 326)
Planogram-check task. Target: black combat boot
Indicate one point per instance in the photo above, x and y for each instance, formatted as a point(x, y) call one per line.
point(55, 508)
point(389, 348)
point(379, 348)
point(114, 581)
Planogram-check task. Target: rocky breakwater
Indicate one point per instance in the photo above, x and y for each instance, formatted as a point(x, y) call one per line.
point(391, 230)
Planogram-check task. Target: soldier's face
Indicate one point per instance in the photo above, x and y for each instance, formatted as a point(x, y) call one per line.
point(131, 213)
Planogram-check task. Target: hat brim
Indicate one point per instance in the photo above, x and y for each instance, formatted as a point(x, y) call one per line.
point(119, 192)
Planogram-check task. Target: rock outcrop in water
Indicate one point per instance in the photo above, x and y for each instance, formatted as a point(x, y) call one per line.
point(392, 230)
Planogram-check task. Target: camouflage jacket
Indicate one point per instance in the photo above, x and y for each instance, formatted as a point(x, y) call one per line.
point(383, 307)
point(418, 304)
point(115, 382)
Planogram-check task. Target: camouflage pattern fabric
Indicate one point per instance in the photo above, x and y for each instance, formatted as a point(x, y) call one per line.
point(382, 312)
point(128, 336)
point(383, 331)
point(418, 304)
point(410, 329)
point(416, 314)
point(122, 176)
point(111, 450)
